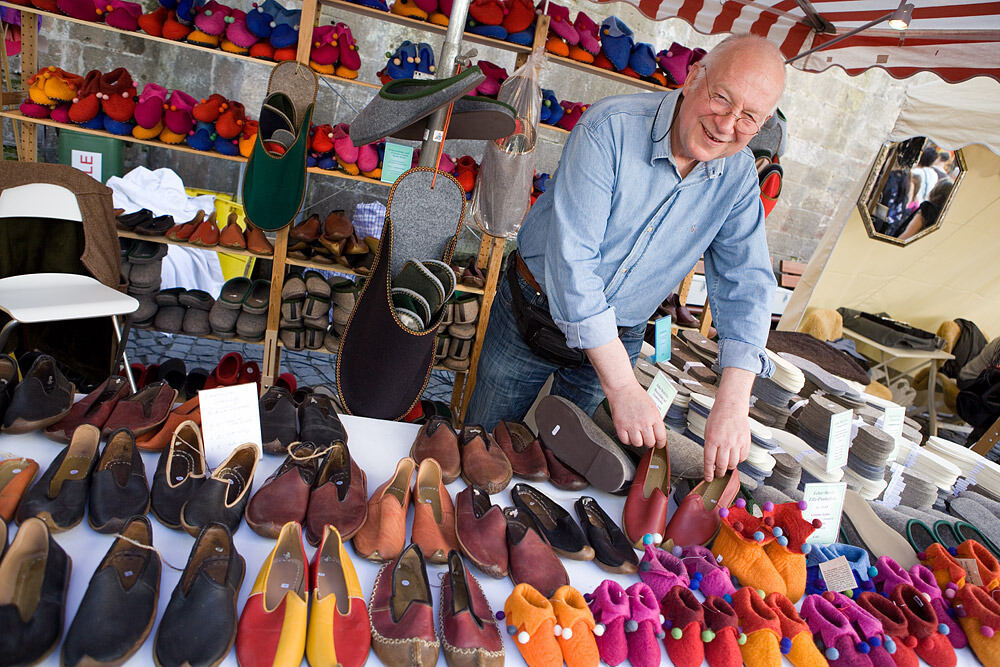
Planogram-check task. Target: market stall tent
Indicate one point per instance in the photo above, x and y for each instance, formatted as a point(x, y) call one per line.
point(953, 272)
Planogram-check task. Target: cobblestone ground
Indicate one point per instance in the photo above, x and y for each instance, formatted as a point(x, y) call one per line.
point(308, 367)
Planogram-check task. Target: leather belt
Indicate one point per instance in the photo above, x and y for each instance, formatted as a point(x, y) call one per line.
point(523, 271)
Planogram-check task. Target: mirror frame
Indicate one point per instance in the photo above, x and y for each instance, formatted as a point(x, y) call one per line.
point(872, 182)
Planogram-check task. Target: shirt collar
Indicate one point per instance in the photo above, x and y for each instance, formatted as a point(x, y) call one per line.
point(661, 129)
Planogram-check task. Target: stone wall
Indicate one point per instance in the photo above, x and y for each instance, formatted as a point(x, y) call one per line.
point(836, 123)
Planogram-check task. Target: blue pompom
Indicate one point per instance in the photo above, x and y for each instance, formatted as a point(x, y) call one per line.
point(783, 541)
point(785, 645)
point(953, 551)
point(631, 625)
point(645, 566)
point(863, 648)
point(759, 536)
point(728, 598)
point(695, 584)
point(943, 629)
point(511, 630)
point(951, 612)
point(875, 642)
point(872, 571)
point(890, 646)
point(647, 538)
point(697, 576)
point(806, 548)
point(832, 653)
point(777, 531)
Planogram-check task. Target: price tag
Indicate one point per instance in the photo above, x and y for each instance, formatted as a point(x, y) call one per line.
point(838, 575)
point(894, 489)
point(839, 441)
point(230, 416)
point(824, 501)
point(662, 392)
point(892, 420)
point(398, 158)
point(971, 571)
point(661, 329)
point(688, 365)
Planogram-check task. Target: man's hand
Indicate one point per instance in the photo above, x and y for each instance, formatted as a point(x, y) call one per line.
point(727, 433)
point(637, 421)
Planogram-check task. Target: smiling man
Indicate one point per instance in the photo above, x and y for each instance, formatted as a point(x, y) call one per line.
point(646, 185)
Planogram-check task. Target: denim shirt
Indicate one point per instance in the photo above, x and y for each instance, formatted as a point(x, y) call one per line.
point(617, 229)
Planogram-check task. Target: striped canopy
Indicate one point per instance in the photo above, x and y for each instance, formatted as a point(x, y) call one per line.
point(956, 39)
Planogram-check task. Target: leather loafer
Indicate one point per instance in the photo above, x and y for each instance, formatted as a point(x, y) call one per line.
point(561, 476)
point(645, 510)
point(94, 408)
point(179, 472)
point(523, 450)
point(402, 612)
point(126, 587)
point(41, 398)
point(59, 497)
point(481, 531)
point(278, 426)
point(142, 412)
point(469, 633)
point(383, 535)
point(118, 488)
point(532, 560)
point(437, 440)
point(338, 497)
point(612, 551)
point(696, 520)
point(223, 496)
point(553, 522)
point(433, 514)
point(34, 578)
point(284, 496)
point(483, 462)
point(199, 624)
point(15, 477)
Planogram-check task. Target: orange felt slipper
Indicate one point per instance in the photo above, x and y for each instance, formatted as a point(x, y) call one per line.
point(979, 615)
point(556, 46)
point(762, 629)
point(948, 574)
point(531, 621)
point(797, 643)
point(575, 628)
point(740, 544)
point(788, 550)
point(989, 568)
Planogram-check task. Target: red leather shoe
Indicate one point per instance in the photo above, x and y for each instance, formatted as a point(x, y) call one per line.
point(645, 510)
point(469, 633)
point(402, 612)
point(481, 531)
point(207, 233)
point(272, 627)
point(523, 450)
point(696, 520)
point(227, 372)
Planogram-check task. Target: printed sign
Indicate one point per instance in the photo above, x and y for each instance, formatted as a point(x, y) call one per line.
point(230, 416)
point(839, 441)
point(661, 329)
point(89, 162)
point(662, 392)
point(824, 501)
point(398, 158)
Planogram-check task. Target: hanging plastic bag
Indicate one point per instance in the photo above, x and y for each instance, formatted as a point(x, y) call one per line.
point(503, 188)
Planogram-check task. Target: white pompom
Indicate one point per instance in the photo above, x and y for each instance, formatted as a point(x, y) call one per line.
point(567, 633)
point(523, 637)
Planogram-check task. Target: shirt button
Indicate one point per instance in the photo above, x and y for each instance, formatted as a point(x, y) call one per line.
point(624, 271)
point(649, 229)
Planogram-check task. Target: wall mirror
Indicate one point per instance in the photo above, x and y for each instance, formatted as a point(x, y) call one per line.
point(909, 190)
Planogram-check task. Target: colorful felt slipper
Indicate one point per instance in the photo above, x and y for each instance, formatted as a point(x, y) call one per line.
point(740, 543)
point(788, 550)
point(36, 88)
point(675, 63)
point(35, 110)
point(60, 85)
point(989, 568)
point(152, 23)
point(856, 557)
point(285, 34)
point(349, 58)
point(560, 24)
point(796, 639)
point(260, 19)
point(347, 153)
point(551, 110)
point(238, 38)
point(939, 560)
point(121, 14)
point(187, 10)
point(208, 110)
point(324, 52)
point(409, 9)
point(60, 113)
point(403, 62)
point(684, 626)
point(893, 625)
point(575, 628)
point(519, 16)
point(149, 109)
point(495, 76)
point(425, 59)
point(482, 12)
point(722, 636)
point(979, 615)
point(761, 626)
point(572, 111)
point(590, 36)
point(841, 645)
point(616, 42)
point(210, 24)
point(247, 138)
point(82, 10)
point(926, 633)
point(118, 95)
point(642, 59)
point(178, 113)
point(531, 622)
point(643, 628)
point(321, 138)
point(923, 580)
point(889, 574)
point(705, 572)
point(230, 122)
point(428, 6)
point(661, 570)
point(609, 603)
point(173, 29)
point(368, 159)
point(466, 171)
point(867, 627)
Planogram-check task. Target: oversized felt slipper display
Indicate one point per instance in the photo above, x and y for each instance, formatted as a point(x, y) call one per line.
point(275, 179)
point(404, 102)
point(472, 117)
point(383, 376)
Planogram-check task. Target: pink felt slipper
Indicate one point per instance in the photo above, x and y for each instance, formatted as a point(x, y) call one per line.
point(609, 603)
point(571, 114)
point(324, 53)
point(121, 14)
point(588, 31)
point(350, 60)
point(60, 113)
point(675, 63)
point(177, 112)
point(149, 108)
point(495, 75)
point(661, 570)
point(211, 19)
point(561, 25)
point(238, 37)
point(368, 158)
point(644, 628)
point(707, 575)
point(84, 10)
point(347, 152)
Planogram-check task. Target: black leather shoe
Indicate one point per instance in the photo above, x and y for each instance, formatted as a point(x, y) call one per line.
point(8, 381)
point(129, 221)
point(179, 473)
point(553, 522)
point(59, 496)
point(319, 422)
point(612, 550)
point(125, 587)
point(118, 489)
point(224, 495)
point(42, 398)
point(34, 577)
point(199, 625)
point(278, 427)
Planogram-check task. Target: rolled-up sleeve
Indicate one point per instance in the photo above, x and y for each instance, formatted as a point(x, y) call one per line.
point(581, 207)
point(741, 283)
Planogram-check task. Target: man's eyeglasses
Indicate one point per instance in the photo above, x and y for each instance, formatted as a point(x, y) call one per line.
point(721, 106)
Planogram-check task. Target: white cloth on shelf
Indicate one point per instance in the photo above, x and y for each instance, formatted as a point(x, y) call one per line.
point(162, 192)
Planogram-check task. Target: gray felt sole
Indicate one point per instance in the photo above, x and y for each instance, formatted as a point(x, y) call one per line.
point(424, 220)
point(978, 516)
point(874, 534)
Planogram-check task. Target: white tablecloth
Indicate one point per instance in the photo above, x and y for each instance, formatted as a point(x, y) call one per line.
point(376, 445)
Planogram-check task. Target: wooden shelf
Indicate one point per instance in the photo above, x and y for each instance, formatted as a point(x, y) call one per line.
point(605, 73)
point(323, 350)
point(164, 240)
point(17, 115)
point(163, 40)
point(241, 341)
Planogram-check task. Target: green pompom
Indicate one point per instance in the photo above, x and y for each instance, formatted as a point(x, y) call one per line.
point(707, 636)
point(676, 633)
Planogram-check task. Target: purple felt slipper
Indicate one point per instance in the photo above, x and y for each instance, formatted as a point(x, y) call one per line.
point(609, 603)
point(706, 573)
point(868, 628)
point(925, 582)
point(149, 109)
point(121, 14)
point(841, 645)
point(589, 33)
point(661, 570)
point(675, 63)
point(889, 574)
point(560, 24)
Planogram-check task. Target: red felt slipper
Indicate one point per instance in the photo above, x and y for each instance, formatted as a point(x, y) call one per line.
point(86, 105)
point(118, 95)
point(152, 23)
point(486, 12)
point(723, 636)
point(227, 372)
point(46, 5)
point(249, 372)
point(208, 110)
point(230, 123)
point(121, 14)
point(519, 17)
point(684, 623)
point(173, 29)
point(324, 52)
point(177, 114)
point(321, 138)
point(262, 50)
point(82, 10)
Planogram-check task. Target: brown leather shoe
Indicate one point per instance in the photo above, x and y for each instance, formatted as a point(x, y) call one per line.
point(696, 519)
point(523, 450)
point(257, 242)
point(306, 231)
point(532, 560)
point(481, 531)
point(94, 408)
point(338, 497)
point(433, 514)
point(469, 633)
point(483, 462)
point(561, 476)
point(155, 441)
point(142, 412)
point(284, 496)
point(645, 509)
point(437, 440)
point(15, 478)
point(231, 235)
point(337, 226)
point(402, 613)
point(207, 233)
point(383, 535)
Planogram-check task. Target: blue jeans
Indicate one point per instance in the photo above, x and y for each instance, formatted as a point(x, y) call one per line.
point(510, 375)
